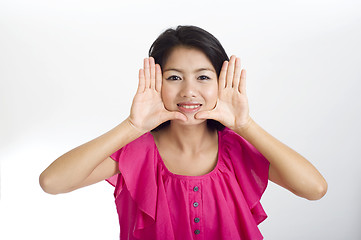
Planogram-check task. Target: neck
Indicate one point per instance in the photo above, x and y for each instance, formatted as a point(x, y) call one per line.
point(189, 139)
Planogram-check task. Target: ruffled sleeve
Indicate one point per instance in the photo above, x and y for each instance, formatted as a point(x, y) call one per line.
point(251, 169)
point(137, 178)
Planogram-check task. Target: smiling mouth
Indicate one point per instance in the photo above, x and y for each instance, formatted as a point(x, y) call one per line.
point(189, 106)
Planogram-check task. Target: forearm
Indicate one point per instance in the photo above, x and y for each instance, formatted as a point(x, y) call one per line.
point(287, 168)
point(76, 165)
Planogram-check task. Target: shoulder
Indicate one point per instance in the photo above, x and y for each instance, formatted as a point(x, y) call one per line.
point(136, 147)
point(235, 144)
point(146, 140)
point(229, 136)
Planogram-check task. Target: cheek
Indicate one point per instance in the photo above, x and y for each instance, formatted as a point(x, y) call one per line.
point(212, 95)
point(167, 96)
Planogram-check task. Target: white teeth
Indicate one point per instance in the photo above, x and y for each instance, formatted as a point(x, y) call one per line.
point(189, 107)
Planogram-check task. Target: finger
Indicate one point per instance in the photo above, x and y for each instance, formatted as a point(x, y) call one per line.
point(237, 73)
point(141, 83)
point(222, 75)
point(230, 72)
point(152, 72)
point(146, 73)
point(158, 78)
point(242, 83)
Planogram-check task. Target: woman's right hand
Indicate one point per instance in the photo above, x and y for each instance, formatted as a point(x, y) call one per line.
point(148, 111)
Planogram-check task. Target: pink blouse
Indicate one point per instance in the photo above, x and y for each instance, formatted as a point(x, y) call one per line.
point(154, 203)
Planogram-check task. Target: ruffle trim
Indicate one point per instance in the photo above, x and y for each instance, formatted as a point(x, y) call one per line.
point(143, 173)
point(250, 168)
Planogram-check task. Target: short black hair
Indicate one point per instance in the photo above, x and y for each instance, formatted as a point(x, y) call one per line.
point(193, 37)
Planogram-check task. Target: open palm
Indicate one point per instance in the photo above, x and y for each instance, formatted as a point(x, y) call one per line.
point(148, 111)
point(232, 108)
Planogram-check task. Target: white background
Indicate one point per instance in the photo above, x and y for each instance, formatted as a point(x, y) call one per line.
point(69, 69)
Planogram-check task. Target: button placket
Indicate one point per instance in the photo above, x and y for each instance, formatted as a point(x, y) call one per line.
point(196, 202)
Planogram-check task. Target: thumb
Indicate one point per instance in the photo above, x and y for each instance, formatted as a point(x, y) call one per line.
point(204, 115)
point(177, 115)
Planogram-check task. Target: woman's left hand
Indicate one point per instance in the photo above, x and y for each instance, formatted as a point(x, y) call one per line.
point(232, 108)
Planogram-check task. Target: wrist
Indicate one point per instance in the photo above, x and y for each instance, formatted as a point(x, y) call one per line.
point(243, 128)
point(132, 126)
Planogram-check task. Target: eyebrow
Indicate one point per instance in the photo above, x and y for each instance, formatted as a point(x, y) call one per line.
point(197, 70)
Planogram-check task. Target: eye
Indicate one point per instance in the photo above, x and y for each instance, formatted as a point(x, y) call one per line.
point(203, 77)
point(174, 77)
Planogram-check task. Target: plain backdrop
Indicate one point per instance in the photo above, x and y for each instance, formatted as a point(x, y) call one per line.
point(69, 71)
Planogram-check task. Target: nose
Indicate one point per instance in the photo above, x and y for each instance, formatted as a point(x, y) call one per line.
point(189, 89)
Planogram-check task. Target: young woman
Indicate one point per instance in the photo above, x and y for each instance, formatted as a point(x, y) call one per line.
point(189, 162)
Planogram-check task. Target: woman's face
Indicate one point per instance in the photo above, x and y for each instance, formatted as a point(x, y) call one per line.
point(190, 83)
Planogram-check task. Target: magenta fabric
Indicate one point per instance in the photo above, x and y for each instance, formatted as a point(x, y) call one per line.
point(154, 203)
